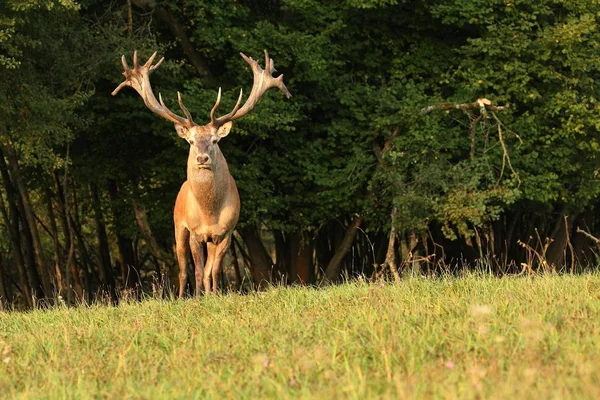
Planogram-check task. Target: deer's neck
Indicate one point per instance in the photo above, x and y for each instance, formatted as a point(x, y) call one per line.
point(209, 186)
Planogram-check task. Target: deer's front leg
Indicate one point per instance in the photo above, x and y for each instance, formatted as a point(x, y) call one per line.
point(210, 248)
point(220, 251)
point(198, 256)
point(181, 240)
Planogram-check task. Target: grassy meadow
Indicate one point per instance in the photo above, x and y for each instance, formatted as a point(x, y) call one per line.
point(470, 337)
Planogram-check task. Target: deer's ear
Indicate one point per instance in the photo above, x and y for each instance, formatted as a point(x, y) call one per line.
point(224, 130)
point(182, 131)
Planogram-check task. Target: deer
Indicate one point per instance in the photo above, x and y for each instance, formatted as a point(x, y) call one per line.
point(207, 206)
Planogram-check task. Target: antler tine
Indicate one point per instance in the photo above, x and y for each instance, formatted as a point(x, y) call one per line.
point(138, 78)
point(184, 108)
point(162, 103)
point(148, 63)
point(249, 60)
point(125, 65)
point(215, 108)
point(263, 80)
point(153, 67)
point(126, 71)
point(282, 86)
point(267, 61)
point(238, 103)
point(228, 117)
point(174, 117)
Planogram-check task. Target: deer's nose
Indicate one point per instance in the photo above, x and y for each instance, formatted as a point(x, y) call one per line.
point(202, 158)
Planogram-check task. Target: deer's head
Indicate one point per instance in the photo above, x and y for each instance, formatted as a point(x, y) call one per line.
point(203, 139)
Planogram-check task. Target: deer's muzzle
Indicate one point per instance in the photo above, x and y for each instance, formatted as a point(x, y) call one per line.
point(203, 161)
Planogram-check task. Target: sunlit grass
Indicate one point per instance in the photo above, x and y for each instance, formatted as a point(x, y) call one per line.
point(469, 337)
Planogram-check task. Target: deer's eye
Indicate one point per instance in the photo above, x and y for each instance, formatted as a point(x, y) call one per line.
point(191, 142)
point(214, 141)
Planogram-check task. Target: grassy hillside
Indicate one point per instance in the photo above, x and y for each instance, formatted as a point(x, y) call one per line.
point(469, 337)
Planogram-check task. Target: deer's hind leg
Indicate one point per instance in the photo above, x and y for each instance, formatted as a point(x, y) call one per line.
point(198, 256)
point(181, 249)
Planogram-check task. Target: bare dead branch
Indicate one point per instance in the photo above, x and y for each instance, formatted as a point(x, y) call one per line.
point(505, 156)
point(482, 104)
point(569, 245)
point(474, 123)
point(588, 235)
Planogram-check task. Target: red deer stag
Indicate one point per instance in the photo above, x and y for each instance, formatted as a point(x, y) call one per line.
point(208, 205)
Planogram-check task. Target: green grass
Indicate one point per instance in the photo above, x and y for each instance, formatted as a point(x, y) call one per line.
point(469, 337)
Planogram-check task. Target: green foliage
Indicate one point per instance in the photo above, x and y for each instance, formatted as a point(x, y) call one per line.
point(302, 162)
point(536, 57)
point(40, 97)
point(539, 57)
point(14, 16)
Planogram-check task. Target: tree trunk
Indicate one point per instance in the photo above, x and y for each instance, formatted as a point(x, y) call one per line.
point(178, 31)
point(27, 246)
point(5, 298)
point(127, 259)
point(261, 263)
point(413, 242)
point(75, 232)
point(165, 259)
point(70, 263)
point(236, 267)
point(332, 272)
point(282, 270)
point(301, 259)
point(46, 277)
point(511, 252)
point(323, 249)
point(390, 256)
point(561, 235)
point(58, 256)
point(62, 213)
point(104, 265)
point(71, 279)
point(11, 220)
point(28, 274)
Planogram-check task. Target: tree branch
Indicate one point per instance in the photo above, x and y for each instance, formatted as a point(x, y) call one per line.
point(482, 104)
point(379, 152)
point(334, 267)
point(589, 235)
point(178, 31)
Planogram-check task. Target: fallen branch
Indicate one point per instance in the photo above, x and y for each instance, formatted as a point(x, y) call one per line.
point(483, 105)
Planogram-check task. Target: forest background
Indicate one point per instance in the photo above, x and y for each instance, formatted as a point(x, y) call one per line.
point(423, 137)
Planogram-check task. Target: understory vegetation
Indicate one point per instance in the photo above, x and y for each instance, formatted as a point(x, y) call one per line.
point(468, 337)
point(420, 134)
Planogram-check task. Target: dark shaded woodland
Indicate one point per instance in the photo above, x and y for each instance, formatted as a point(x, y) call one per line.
point(423, 137)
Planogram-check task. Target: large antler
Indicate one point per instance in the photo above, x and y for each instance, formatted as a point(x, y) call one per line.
point(263, 80)
point(138, 78)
